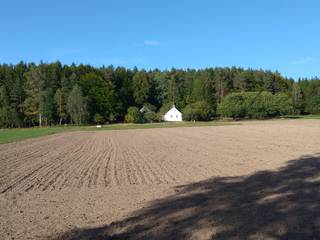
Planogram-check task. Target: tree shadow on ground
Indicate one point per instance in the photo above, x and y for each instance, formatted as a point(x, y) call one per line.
point(282, 204)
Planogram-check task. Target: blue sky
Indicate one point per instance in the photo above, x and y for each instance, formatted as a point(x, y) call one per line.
point(279, 35)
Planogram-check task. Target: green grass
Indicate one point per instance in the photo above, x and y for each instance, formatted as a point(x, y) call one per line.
point(17, 134)
point(12, 135)
point(301, 116)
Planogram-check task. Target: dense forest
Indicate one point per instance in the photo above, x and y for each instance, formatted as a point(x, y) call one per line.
point(53, 93)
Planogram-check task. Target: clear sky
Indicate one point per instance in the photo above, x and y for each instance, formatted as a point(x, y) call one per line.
point(279, 35)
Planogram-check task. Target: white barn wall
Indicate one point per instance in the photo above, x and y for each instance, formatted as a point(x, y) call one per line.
point(173, 115)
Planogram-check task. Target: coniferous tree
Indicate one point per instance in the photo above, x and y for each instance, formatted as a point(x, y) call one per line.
point(141, 87)
point(8, 115)
point(37, 93)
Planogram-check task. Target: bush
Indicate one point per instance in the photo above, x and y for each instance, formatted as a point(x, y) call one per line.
point(284, 104)
point(133, 115)
point(199, 111)
point(8, 118)
point(150, 117)
point(260, 105)
point(312, 101)
point(150, 107)
point(112, 117)
point(255, 105)
point(98, 119)
point(233, 105)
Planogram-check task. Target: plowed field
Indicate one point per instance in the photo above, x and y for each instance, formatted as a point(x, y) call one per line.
point(51, 187)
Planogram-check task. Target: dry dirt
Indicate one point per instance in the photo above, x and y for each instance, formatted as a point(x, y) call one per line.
point(175, 183)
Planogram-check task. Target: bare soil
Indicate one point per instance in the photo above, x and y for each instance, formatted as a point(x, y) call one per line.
point(256, 180)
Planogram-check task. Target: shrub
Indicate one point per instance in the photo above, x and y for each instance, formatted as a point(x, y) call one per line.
point(255, 105)
point(233, 105)
point(260, 105)
point(150, 117)
point(312, 101)
point(112, 117)
point(284, 104)
point(199, 111)
point(150, 107)
point(133, 115)
point(98, 119)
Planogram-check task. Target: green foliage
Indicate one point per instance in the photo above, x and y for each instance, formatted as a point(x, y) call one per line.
point(47, 106)
point(133, 115)
point(35, 87)
point(141, 87)
point(60, 101)
point(150, 117)
point(148, 112)
point(34, 90)
point(256, 105)
point(150, 107)
point(112, 117)
point(98, 119)
point(124, 92)
point(312, 97)
point(297, 99)
point(284, 104)
point(77, 106)
point(8, 116)
point(310, 91)
point(259, 105)
point(101, 94)
point(165, 108)
point(198, 111)
point(233, 106)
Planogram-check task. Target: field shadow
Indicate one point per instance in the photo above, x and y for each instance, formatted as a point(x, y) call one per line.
point(283, 204)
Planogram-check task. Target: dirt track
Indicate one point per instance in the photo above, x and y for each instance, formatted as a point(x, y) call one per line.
point(54, 187)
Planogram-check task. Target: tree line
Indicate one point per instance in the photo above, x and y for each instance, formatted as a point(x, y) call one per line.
point(54, 93)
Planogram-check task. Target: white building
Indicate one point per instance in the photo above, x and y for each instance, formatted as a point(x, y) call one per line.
point(173, 115)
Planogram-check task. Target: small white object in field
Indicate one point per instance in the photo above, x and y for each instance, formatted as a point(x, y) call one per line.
point(98, 126)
